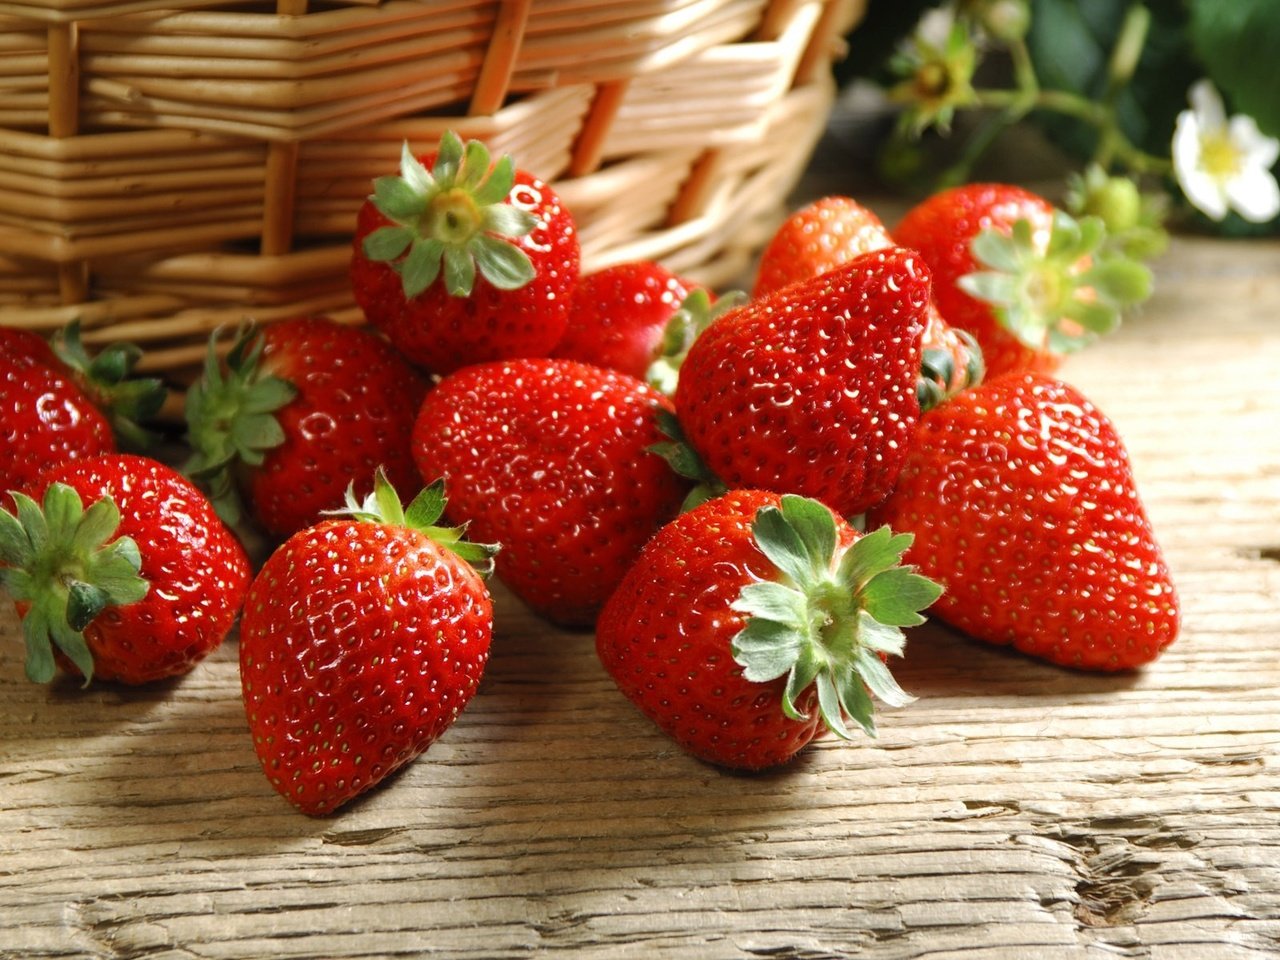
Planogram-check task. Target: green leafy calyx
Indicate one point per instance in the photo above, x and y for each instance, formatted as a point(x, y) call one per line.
point(230, 413)
point(695, 314)
point(452, 219)
point(685, 461)
point(830, 615)
point(383, 505)
point(1060, 295)
point(942, 378)
point(107, 376)
point(61, 561)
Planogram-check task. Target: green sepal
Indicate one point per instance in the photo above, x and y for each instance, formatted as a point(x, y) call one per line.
point(452, 221)
point(382, 505)
point(829, 615)
point(685, 461)
point(1062, 295)
point(230, 414)
point(60, 560)
point(107, 376)
point(695, 314)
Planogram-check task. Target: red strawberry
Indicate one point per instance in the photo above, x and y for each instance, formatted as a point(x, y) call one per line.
point(362, 640)
point(423, 237)
point(812, 390)
point(619, 314)
point(62, 405)
point(1022, 501)
point(123, 572)
point(753, 622)
point(551, 459)
point(816, 239)
point(303, 406)
point(1028, 281)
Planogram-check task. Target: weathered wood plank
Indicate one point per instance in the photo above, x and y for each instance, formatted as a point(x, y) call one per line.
point(1015, 811)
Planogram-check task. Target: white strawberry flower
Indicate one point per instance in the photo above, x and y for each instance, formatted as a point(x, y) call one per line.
point(1224, 163)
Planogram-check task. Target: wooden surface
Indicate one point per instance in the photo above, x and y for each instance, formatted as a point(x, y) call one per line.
point(1015, 811)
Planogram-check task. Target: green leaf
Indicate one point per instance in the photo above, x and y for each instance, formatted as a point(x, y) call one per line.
point(427, 507)
point(996, 250)
point(895, 595)
point(387, 243)
point(871, 554)
point(268, 395)
point(997, 288)
point(387, 499)
point(414, 173)
point(421, 267)
point(1119, 281)
point(766, 649)
point(857, 703)
point(880, 637)
point(829, 706)
point(254, 433)
point(502, 264)
point(475, 165)
point(97, 524)
point(39, 641)
point(773, 601)
point(1095, 317)
point(815, 525)
point(84, 602)
point(448, 159)
point(459, 271)
point(71, 642)
point(780, 542)
point(508, 221)
point(32, 520)
point(497, 186)
point(397, 200)
point(804, 672)
point(879, 680)
point(15, 548)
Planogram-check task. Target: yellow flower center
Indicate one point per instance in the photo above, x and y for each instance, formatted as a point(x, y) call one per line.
point(1219, 157)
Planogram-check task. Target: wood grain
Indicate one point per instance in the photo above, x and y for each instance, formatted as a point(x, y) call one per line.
point(1015, 811)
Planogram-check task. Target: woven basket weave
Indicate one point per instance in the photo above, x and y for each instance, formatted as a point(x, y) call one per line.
point(169, 166)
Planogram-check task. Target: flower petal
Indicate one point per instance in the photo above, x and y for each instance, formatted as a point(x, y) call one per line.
point(1207, 103)
point(1254, 194)
point(1204, 192)
point(1256, 148)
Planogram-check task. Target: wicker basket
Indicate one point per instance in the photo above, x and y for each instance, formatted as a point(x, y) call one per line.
point(168, 166)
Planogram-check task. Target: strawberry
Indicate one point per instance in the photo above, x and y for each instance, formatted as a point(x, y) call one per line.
point(830, 232)
point(816, 239)
point(618, 316)
point(1022, 501)
point(58, 403)
point(363, 638)
point(812, 390)
point(551, 459)
point(1028, 281)
point(121, 571)
point(754, 622)
point(303, 406)
point(460, 263)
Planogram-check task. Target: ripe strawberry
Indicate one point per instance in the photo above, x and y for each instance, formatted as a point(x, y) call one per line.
point(1022, 501)
point(138, 585)
point(450, 213)
point(362, 640)
point(812, 390)
point(304, 406)
point(747, 613)
point(619, 314)
point(59, 404)
point(816, 239)
point(551, 459)
point(1028, 281)
point(830, 232)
